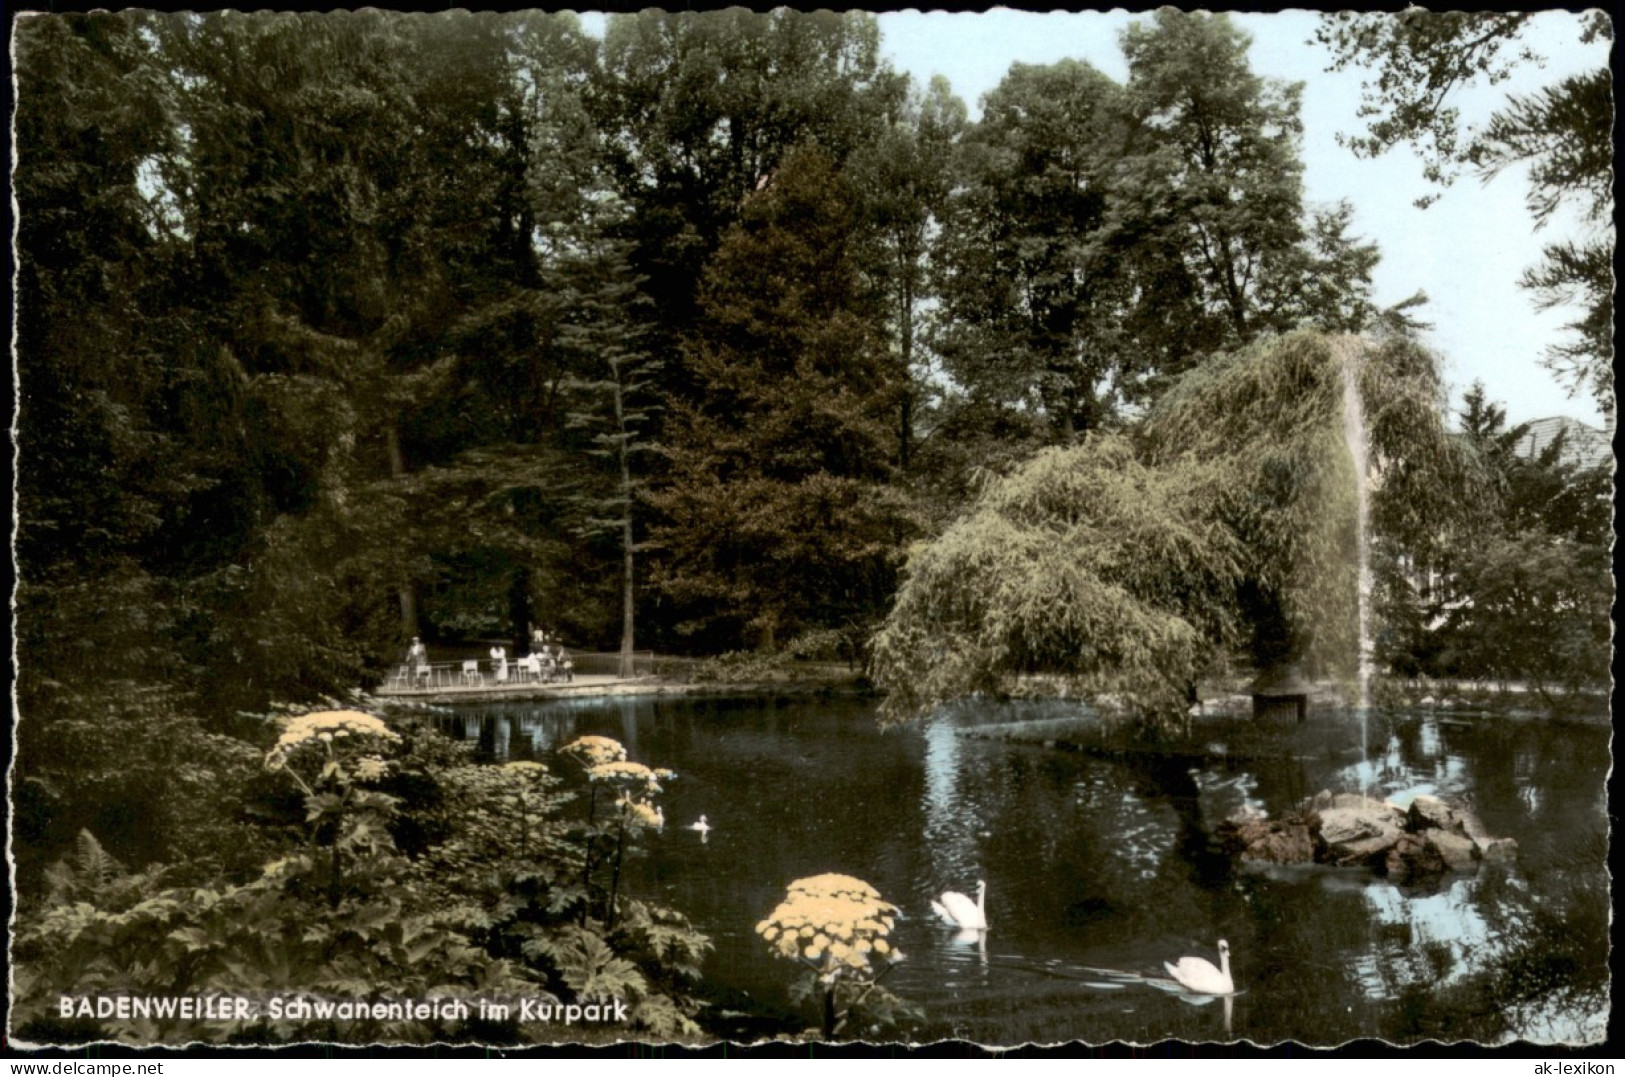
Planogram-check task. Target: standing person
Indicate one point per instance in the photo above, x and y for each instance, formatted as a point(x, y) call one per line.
point(567, 668)
point(417, 658)
point(499, 663)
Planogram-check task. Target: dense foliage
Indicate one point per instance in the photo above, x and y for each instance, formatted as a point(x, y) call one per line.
point(502, 899)
point(1133, 568)
point(337, 329)
point(1106, 238)
point(1527, 561)
point(1082, 563)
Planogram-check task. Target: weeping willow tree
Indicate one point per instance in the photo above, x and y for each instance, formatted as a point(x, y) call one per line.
point(1085, 565)
point(1128, 567)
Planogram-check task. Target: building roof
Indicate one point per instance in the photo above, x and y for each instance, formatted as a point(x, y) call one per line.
point(1584, 446)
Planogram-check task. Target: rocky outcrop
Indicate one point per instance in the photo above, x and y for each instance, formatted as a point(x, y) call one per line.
point(1414, 844)
point(1431, 813)
point(1268, 841)
point(1355, 833)
point(1412, 859)
point(1497, 850)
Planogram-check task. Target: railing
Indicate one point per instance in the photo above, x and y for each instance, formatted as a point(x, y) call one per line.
point(485, 673)
point(609, 664)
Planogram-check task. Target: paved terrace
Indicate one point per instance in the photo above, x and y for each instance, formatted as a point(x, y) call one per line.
point(481, 678)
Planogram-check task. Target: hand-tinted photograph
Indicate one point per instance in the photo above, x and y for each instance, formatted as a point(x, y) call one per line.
point(728, 527)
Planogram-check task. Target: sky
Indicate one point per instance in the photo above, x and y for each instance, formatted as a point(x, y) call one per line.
point(1466, 251)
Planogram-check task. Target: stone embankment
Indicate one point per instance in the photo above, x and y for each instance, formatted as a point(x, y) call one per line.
point(1409, 845)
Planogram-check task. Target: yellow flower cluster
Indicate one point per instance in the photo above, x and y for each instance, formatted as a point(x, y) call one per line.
point(642, 812)
point(836, 919)
point(626, 773)
point(371, 768)
point(525, 768)
point(606, 761)
point(325, 727)
point(593, 751)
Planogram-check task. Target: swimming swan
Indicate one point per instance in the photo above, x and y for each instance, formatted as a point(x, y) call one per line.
point(1197, 974)
point(961, 911)
point(702, 826)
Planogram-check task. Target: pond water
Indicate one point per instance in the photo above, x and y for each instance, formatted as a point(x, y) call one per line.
point(1100, 866)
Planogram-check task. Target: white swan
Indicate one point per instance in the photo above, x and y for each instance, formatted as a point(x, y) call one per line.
point(1197, 974)
point(961, 911)
point(702, 826)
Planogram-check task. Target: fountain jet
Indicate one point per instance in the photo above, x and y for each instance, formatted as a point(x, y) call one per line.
point(1354, 434)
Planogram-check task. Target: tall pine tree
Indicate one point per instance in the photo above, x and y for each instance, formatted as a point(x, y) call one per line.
point(776, 510)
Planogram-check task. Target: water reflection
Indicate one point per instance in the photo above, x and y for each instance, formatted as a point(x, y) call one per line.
point(1100, 868)
point(951, 830)
point(1444, 937)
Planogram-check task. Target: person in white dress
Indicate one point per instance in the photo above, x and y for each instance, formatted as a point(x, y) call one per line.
point(417, 660)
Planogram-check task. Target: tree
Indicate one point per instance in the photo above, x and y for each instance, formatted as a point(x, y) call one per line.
point(1534, 568)
point(1216, 178)
point(615, 407)
point(904, 177)
point(323, 274)
point(118, 402)
point(1109, 577)
point(1563, 132)
point(775, 509)
point(299, 256)
point(1030, 292)
point(497, 158)
point(700, 109)
point(1124, 569)
point(1105, 239)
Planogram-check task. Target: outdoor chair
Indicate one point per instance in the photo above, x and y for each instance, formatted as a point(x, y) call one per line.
point(471, 672)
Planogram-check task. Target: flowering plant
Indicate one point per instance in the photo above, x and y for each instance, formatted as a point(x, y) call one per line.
point(634, 786)
point(590, 751)
point(332, 738)
point(837, 926)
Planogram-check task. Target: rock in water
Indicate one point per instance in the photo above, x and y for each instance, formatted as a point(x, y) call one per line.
point(1285, 843)
point(1412, 859)
point(1356, 835)
point(1268, 842)
point(1362, 802)
point(1431, 813)
point(1458, 851)
point(1498, 850)
point(1472, 826)
point(1411, 845)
